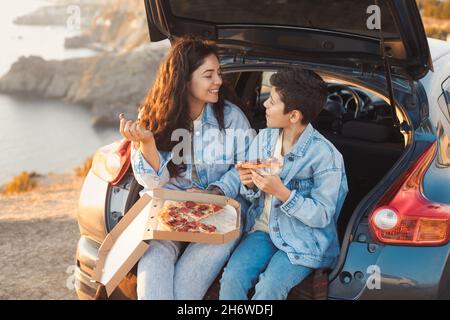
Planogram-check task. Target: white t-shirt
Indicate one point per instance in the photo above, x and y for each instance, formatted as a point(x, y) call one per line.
point(262, 223)
point(195, 124)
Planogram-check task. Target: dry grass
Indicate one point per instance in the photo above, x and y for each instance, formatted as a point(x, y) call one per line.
point(23, 182)
point(436, 28)
point(38, 239)
point(83, 170)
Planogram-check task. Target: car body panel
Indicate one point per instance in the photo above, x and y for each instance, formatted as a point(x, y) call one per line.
point(87, 254)
point(91, 207)
point(437, 179)
point(436, 184)
point(405, 272)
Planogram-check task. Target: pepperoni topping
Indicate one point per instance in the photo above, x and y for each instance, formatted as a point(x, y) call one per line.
point(207, 227)
point(190, 204)
point(184, 229)
point(173, 214)
point(197, 214)
point(184, 210)
point(203, 207)
point(172, 223)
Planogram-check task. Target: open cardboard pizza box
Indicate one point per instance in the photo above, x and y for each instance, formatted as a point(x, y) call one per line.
point(129, 239)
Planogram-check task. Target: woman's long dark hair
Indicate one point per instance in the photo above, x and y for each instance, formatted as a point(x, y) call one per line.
point(165, 108)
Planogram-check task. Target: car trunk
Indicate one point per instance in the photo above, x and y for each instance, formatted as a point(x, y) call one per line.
point(366, 163)
point(296, 31)
point(362, 148)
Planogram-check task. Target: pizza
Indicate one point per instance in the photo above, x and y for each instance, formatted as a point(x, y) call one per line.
point(198, 210)
point(267, 166)
point(171, 220)
point(185, 216)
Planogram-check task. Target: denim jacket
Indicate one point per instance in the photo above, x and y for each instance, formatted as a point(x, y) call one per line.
point(215, 153)
point(305, 225)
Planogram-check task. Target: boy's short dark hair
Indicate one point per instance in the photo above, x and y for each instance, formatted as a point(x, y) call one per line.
point(302, 90)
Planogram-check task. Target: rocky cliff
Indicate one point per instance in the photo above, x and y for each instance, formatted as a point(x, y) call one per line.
point(59, 14)
point(109, 83)
point(120, 26)
point(117, 25)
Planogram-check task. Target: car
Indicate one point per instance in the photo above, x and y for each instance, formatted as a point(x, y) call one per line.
point(387, 112)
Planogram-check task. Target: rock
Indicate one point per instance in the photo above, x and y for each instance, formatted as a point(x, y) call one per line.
point(108, 114)
point(106, 25)
point(76, 42)
point(109, 83)
point(62, 15)
point(120, 26)
point(36, 76)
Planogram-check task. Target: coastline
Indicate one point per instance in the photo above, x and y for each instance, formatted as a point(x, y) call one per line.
point(108, 83)
point(114, 80)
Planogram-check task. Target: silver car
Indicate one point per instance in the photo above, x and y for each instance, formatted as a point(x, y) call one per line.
point(387, 112)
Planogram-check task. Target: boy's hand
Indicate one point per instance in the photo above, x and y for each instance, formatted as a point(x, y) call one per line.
point(246, 177)
point(271, 184)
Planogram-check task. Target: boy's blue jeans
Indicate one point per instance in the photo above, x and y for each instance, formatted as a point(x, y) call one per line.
point(257, 261)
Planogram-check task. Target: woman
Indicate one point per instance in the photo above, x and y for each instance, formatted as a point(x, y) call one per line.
point(187, 97)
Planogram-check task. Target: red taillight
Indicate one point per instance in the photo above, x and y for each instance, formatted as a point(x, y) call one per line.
point(404, 216)
point(112, 161)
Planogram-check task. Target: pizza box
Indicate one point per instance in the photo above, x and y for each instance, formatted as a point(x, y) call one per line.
point(226, 221)
point(129, 239)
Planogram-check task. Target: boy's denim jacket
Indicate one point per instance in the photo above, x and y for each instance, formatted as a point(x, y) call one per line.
point(215, 153)
point(305, 225)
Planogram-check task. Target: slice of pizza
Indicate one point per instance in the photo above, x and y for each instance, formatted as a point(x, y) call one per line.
point(207, 228)
point(177, 210)
point(197, 227)
point(199, 210)
point(170, 219)
point(263, 166)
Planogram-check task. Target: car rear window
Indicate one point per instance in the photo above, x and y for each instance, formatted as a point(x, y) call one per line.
point(347, 16)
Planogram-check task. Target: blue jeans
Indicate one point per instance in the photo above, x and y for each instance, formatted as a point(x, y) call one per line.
point(257, 261)
point(166, 273)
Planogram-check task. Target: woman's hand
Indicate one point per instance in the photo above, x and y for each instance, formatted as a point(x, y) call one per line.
point(142, 139)
point(271, 184)
point(245, 175)
point(134, 132)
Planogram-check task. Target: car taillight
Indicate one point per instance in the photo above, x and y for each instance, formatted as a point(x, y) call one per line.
point(111, 162)
point(404, 216)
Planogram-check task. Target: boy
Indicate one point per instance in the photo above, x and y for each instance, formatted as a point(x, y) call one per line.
point(291, 224)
